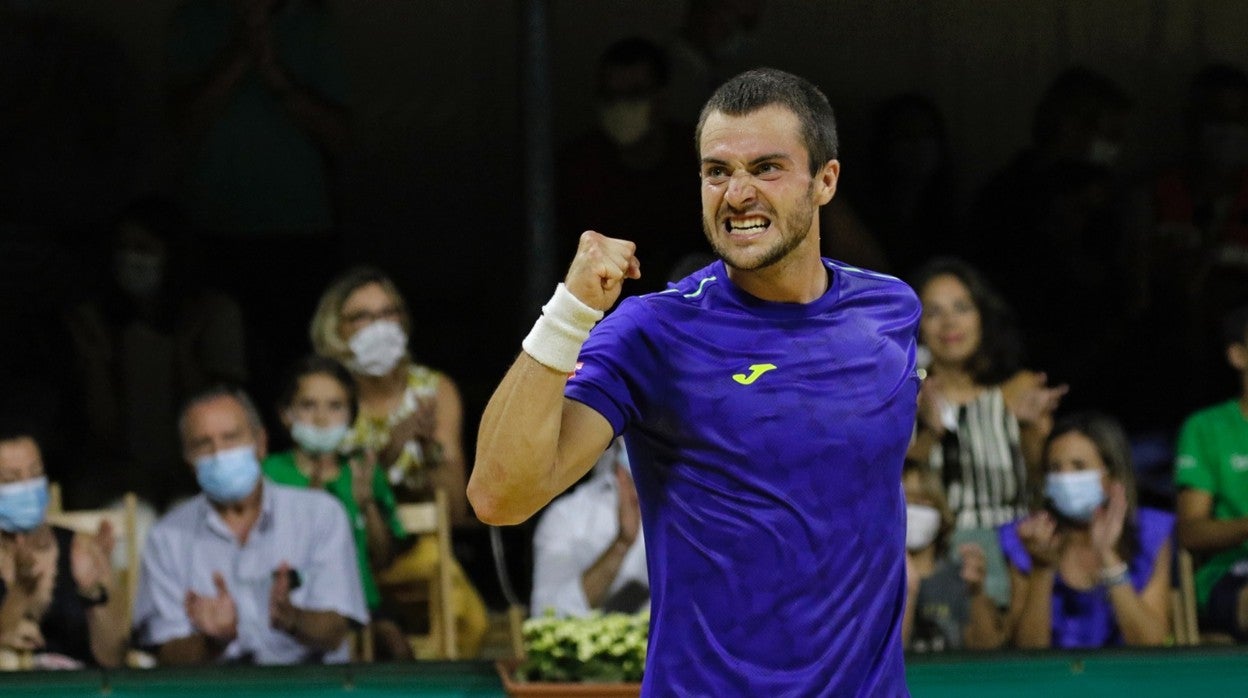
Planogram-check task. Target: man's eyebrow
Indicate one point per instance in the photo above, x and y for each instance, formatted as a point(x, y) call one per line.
point(755, 161)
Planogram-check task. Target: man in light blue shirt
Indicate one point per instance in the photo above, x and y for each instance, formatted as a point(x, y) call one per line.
point(248, 571)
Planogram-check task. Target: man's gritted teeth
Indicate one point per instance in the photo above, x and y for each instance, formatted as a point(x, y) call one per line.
point(745, 225)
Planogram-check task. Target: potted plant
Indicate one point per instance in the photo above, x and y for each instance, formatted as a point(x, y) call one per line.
point(599, 655)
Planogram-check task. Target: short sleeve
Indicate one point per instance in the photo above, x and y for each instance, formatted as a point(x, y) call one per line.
point(333, 578)
point(618, 366)
point(159, 610)
point(1192, 465)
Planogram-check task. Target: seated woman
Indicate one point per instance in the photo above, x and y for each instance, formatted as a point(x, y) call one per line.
point(55, 584)
point(981, 418)
point(317, 404)
point(946, 607)
point(1091, 569)
point(410, 415)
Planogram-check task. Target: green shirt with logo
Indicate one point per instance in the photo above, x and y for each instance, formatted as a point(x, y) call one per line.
point(1213, 457)
point(281, 468)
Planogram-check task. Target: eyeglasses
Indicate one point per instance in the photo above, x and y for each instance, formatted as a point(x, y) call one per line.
point(360, 317)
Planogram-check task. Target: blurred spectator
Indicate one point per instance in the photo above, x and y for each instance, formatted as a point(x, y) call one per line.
point(712, 44)
point(1092, 569)
point(589, 553)
point(1211, 472)
point(908, 194)
point(410, 416)
point(55, 585)
point(155, 335)
point(946, 607)
point(634, 174)
point(317, 406)
point(1193, 225)
point(257, 93)
point(248, 571)
point(982, 420)
point(1047, 231)
point(257, 89)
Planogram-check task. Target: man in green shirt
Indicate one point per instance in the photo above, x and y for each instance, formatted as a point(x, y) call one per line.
point(1211, 470)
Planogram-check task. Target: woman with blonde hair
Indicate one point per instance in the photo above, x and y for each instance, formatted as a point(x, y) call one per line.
point(410, 416)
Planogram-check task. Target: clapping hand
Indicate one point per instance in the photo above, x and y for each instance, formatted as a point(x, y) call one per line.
point(89, 558)
point(363, 467)
point(282, 613)
point(974, 567)
point(1107, 521)
point(418, 425)
point(1041, 539)
point(214, 616)
point(1037, 402)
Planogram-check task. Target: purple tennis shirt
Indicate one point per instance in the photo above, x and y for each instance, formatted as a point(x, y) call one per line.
point(766, 441)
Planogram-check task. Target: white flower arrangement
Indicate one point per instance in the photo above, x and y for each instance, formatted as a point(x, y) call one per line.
point(600, 648)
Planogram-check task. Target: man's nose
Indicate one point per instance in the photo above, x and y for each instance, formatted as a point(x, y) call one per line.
point(741, 191)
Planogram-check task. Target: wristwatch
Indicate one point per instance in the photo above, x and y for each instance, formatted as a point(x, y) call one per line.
point(95, 595)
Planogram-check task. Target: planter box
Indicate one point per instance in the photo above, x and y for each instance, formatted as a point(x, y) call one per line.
point(541, 689)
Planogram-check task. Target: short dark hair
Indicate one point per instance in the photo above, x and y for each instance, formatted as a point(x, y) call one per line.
point(763, 87)
point(636, 50)
point(218, 391)
point(315, 364)
point(999, 354)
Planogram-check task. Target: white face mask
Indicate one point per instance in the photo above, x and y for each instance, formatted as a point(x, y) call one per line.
point(1075, 495)
point(376, 349)
point(318, 440)
point(138, 273)
point(625, 121)
point(922, 525)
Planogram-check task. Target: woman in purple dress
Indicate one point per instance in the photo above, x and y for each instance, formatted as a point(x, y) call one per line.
point(1092, 569)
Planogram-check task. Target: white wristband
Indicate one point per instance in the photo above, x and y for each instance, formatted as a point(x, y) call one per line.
point(556, 338)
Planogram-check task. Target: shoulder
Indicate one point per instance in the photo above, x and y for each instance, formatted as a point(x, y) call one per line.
point(180, 521)
point(857, 283)
point(1154, 522)
point(1223, 411)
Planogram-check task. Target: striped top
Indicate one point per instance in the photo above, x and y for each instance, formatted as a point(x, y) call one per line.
point(981, 464)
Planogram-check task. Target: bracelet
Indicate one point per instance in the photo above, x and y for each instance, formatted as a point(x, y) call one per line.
point(556, 338)
point(1113, 576)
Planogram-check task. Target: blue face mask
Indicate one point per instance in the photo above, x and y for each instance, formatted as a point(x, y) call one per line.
point(23, 504)
point(1075, 495)
point(314, 439)
point(228, 476)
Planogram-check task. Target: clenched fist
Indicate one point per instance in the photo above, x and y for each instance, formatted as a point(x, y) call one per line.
point(597, 273)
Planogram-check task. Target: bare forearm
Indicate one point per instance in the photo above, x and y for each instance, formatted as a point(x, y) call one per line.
point(195, 106)
point(108, 635)
point(517, 444)
point(1035, 623)
point(378, 540)
point(596, 580)
point(13, 609)
point(325, 122)
point(907, 618)
point(192, 649)
point(1139, 625)
point(320, 630)
point(984, 630)
point(920, 449)
point(1207, 535)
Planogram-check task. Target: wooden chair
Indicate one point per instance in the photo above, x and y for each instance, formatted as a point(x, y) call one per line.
point(1183, 603)
point(125, 529)
point(434, 595)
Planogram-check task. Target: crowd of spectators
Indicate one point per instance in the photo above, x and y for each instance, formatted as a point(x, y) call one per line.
point(1071, 312)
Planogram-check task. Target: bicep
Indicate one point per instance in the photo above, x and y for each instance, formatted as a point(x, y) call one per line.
point(584, 434)
point(1194, 505)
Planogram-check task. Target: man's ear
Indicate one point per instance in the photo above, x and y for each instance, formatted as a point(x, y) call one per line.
point(825, 182)
point(262, 443)
point(1237, 356)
